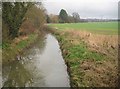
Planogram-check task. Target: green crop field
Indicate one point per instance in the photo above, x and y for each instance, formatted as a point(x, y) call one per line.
point(96, 27)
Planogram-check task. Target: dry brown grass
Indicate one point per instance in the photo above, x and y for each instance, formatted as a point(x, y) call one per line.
point(18, 39)
point(97, 73)
point(96, 39)
point(102, 74)
point(96, 42)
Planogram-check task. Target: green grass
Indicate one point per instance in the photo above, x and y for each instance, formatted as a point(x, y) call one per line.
point(82, 52)
point(95, 27)
point(10, 50)
point(75, 55)
point(24, 43)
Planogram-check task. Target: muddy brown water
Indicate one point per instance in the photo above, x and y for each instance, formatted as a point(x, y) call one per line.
point(40, 66)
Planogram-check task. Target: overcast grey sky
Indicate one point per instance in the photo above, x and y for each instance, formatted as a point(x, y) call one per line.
point(86, 8)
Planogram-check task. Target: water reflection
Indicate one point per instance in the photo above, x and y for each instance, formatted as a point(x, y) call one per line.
point(38, 47)
point(18, 76)
point(20, 73)
point(40, 66)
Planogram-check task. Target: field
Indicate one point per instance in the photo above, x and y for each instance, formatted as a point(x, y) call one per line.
point(96, 27)
point(90, 51)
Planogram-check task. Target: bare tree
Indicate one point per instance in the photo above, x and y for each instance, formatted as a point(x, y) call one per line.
point(76, 17)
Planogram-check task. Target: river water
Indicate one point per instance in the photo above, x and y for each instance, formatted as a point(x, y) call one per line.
point(40, 66)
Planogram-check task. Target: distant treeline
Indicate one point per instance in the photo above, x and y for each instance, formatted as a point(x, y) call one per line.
point(63, 17)
point(97, 20)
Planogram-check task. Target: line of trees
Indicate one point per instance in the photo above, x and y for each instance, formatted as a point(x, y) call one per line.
point(17, 15)
point(63, 17)
point(13, 15)
point(20, 18)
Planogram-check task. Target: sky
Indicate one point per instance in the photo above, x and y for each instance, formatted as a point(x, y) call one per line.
point(86, 8)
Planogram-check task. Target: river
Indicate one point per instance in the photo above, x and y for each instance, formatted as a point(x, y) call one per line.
point(40, 66)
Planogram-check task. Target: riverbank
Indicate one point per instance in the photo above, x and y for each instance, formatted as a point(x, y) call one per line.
point(91, 58)
point(10, 51)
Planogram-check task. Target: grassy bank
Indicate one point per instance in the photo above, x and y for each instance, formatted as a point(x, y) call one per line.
point(91, 58)
point(16, 47)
